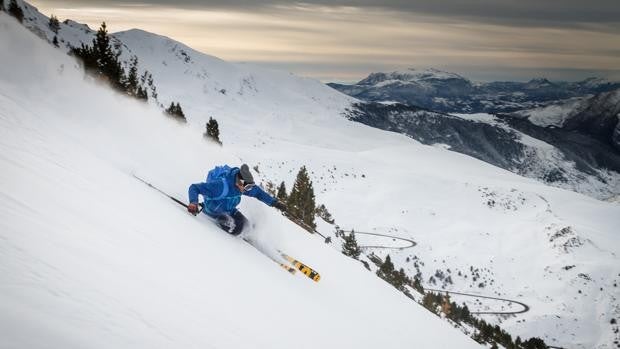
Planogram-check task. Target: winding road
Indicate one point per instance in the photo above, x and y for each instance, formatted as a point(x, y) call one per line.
point(410, 242)
point(526, 307)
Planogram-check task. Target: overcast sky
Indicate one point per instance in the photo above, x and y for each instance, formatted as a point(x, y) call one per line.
point(344, 40)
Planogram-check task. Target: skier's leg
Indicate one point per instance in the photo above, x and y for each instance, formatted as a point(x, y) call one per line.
point(226, 222)
point(239, 223)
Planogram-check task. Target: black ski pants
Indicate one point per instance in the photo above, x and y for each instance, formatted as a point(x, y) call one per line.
point(231, 223)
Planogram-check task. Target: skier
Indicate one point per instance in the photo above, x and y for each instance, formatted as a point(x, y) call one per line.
point(222, 193)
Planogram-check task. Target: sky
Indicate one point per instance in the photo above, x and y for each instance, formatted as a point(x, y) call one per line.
point(345, 40)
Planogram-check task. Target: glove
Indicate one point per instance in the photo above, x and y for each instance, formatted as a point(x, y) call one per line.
point(192, 208)
point(280, 206)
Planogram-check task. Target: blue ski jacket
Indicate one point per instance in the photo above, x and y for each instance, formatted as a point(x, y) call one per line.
point(221, 196)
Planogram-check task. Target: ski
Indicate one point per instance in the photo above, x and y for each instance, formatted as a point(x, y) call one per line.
point(306, 270)
point(284, 266)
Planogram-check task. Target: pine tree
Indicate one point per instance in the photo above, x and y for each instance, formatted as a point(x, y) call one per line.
point(350, 247)
point(108, 63)
point(281, 195)
point(300, 202)
point(54, 24)
point(213, 131)
point(446, 305)
point(55, 41)
point(518, 342)
point(400, 279)
point(103, 51)
point(16, 11)
point(131, 84)
point(152, 85)
point(534, 343)
point(386, 270)
point(101, 59)
point(466, 315)
point(176, 111)
point(428, 301)
point(322, 212)
point(142, 94)
point(87, 54)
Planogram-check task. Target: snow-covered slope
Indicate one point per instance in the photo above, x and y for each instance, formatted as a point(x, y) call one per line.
point(554, 114)
point(597, 116)
point(90, 257)
point(98, 240)
point(209, 83)
point(559, 157)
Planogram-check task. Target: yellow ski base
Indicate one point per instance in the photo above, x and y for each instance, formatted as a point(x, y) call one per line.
point(306, 270)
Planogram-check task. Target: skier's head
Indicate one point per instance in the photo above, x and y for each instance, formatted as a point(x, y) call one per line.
point(245, 180)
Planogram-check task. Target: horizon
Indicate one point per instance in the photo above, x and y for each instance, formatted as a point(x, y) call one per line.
point(348, 40)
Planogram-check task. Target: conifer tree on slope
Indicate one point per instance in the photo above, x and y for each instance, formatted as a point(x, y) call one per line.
point(386, 270)
point(213, 131)
point(54, 24)
point(131, 84)
point(281, 195)
point(300, 202)
point(107, 61)
point(101, 59)
point(16, 11)
point(350, 247)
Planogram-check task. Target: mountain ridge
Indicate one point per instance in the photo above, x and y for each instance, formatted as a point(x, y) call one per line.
point(452, 93)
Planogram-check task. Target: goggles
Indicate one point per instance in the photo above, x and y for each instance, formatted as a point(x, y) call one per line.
point(248, 186)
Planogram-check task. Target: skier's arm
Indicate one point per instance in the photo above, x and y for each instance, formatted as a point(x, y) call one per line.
point(207, 190)
point(261, 195)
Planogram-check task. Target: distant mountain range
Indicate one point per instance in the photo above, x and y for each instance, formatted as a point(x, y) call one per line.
point(564, 133)
point(451, 93)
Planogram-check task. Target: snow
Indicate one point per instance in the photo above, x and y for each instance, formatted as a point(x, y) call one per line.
point(90, 257)
point(543, 158)
point(479, 117)
point(86, 251)
point(424, 79)
point(430, 73)
point(555, 114)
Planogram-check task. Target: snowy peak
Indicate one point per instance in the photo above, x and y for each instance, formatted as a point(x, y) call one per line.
point(397, 86)
point(410, 76)
point(207, 79)
point(143, 42)
point(539, 83)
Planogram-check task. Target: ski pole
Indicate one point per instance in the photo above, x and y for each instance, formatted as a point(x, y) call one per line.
point(164, 193)
point(301, 223)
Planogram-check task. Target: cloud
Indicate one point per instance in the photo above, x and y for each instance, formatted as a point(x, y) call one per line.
point(509, 12)
point(309, 39)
